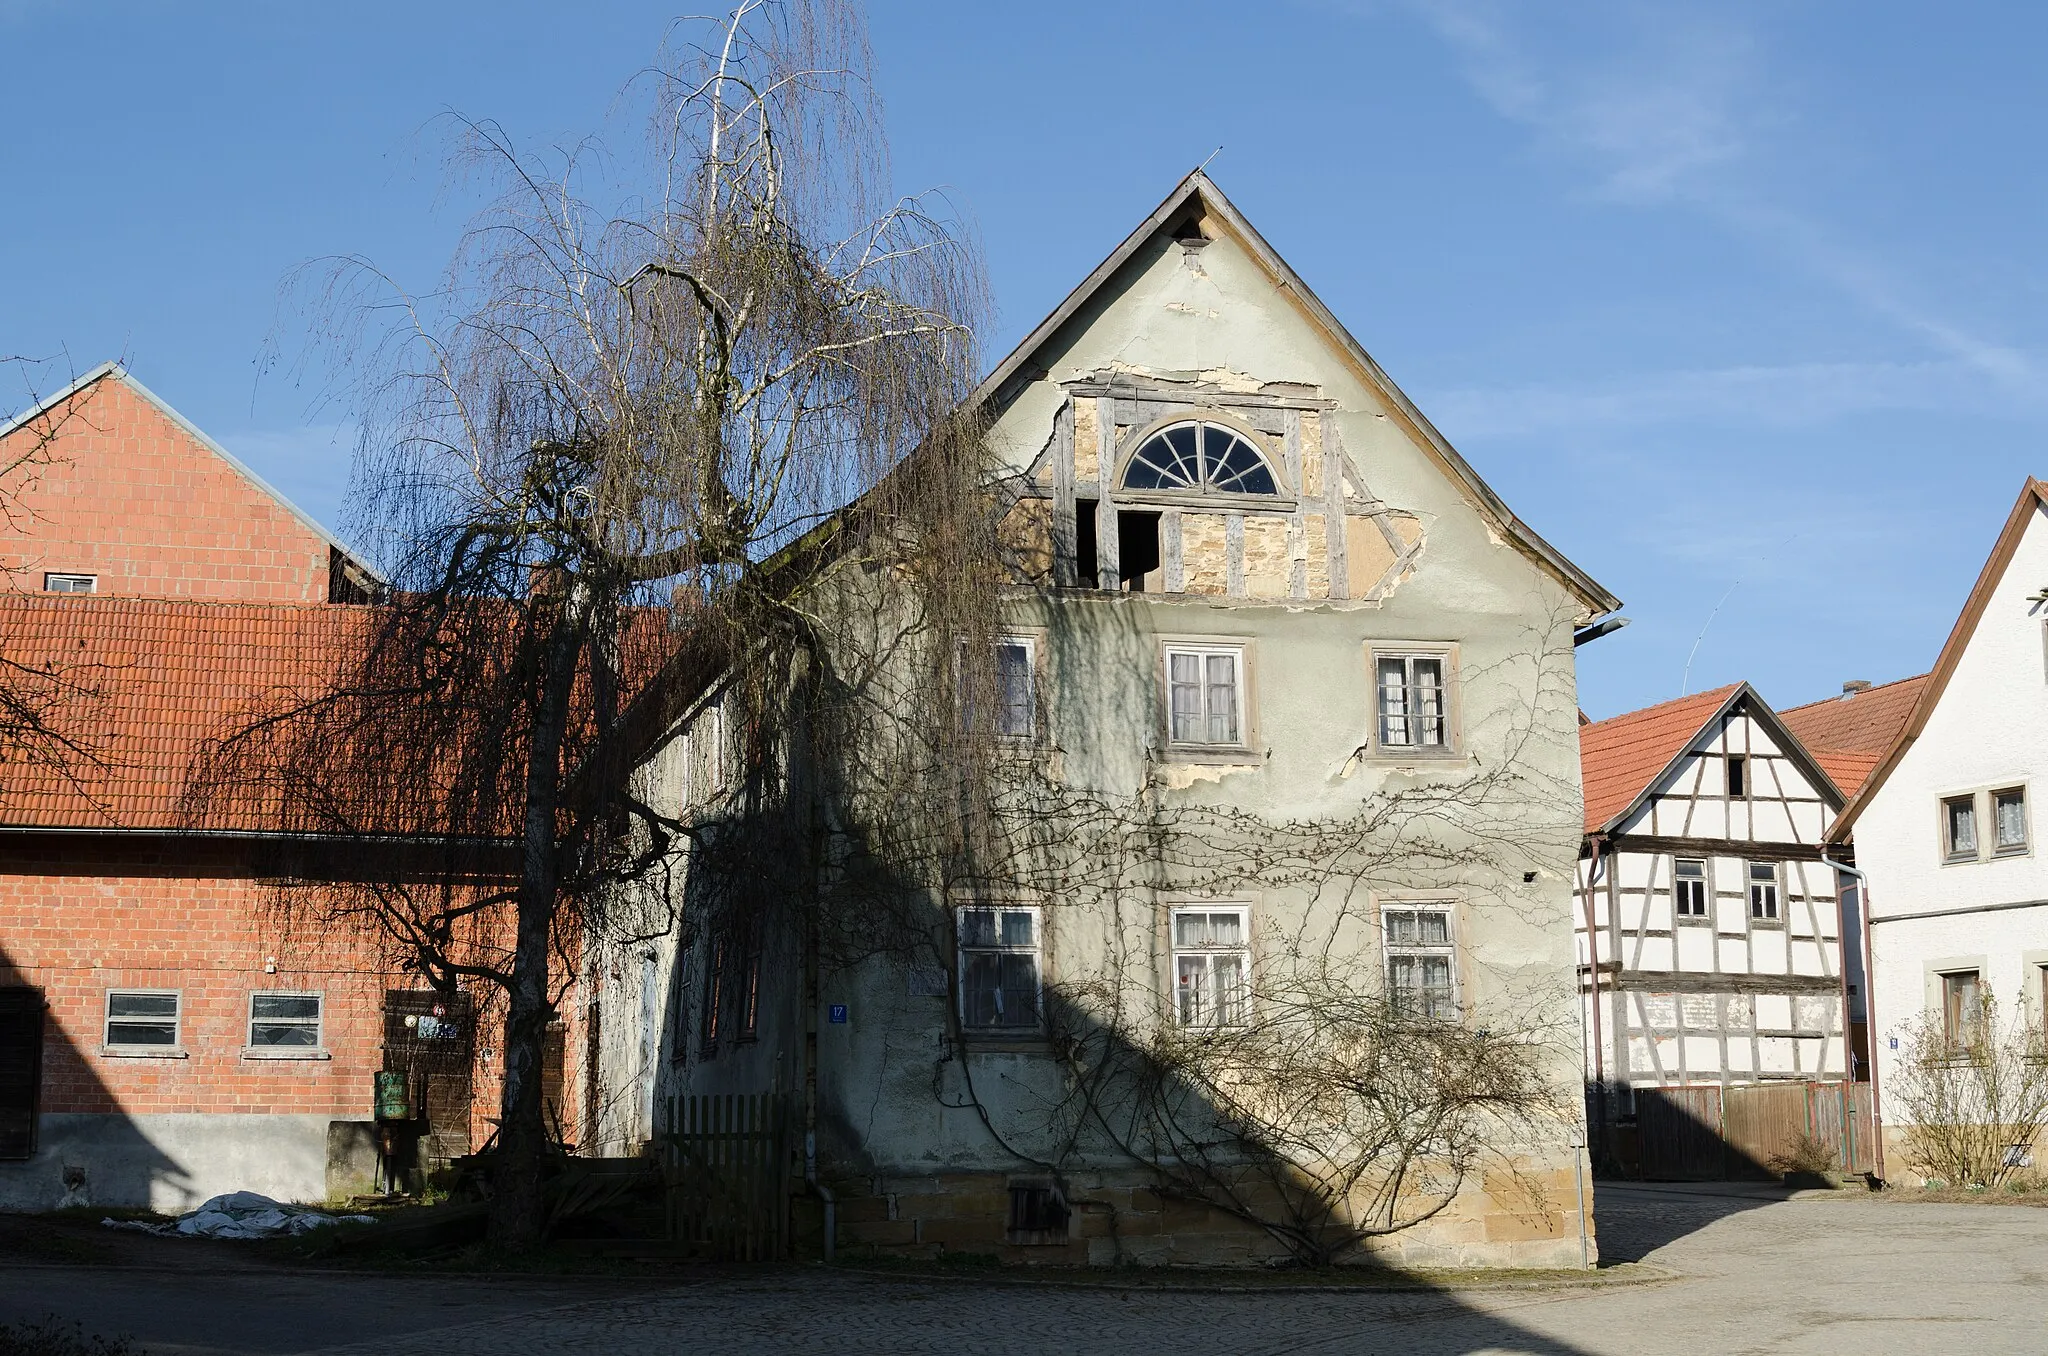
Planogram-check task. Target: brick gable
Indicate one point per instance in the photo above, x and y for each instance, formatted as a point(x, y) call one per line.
point(138, 497)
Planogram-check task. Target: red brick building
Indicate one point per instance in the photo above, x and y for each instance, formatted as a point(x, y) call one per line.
point(163, 1036)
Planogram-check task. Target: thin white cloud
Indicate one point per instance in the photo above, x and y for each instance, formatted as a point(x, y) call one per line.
point(1669, 104)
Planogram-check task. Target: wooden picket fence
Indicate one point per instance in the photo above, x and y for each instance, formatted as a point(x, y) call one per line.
point(1704, 1131)
point(726, 1161)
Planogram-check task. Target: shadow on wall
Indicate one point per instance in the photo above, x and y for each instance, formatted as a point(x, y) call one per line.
point(53, 1160)
point(1075, 1137)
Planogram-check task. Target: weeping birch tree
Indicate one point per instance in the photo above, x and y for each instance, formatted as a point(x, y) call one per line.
point(655, 405)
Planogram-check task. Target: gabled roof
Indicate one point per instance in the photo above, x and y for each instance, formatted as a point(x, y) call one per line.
point(2033, 498)
point(141, 684)
point(1849, 735)
point(1196, 193)
point(1624, 759)
point(198, 435)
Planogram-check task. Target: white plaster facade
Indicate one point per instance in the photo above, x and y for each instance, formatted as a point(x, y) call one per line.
point(1982, 728)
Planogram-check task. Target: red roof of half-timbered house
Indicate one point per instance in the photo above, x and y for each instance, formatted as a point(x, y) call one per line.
point(1619, 757)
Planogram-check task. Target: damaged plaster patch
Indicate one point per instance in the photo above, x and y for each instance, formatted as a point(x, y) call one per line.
point(1181, 776)
point(1184, 309)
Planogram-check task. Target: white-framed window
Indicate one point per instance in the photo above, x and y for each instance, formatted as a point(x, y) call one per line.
point(1763, 891)
point(1959, 828)
point(145, 1018)
point(1689, 887)
point(1001, 972)
point(1205, 694)
point(1412, 700)
point(1421, 960)
point(1212, 964)
point(70, 583)
point(2009, 821)
point(284, 1021)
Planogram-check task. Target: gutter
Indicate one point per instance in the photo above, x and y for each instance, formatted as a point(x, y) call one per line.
point(1869, 1002)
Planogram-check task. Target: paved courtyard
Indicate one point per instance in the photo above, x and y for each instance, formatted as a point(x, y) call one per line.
point(1753, 1274)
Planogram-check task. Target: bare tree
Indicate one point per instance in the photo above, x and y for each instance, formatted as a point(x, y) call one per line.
point(621, 448)
point(1973, 1101)
point(41, 737)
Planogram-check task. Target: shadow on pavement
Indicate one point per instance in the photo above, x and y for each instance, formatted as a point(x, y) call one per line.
point(1635, 1219)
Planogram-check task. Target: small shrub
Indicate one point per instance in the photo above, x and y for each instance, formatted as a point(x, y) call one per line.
point(1969, 1110)
point(1806, 1155)
point(50, 1336)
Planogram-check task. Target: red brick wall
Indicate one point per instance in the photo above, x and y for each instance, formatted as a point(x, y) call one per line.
point(133, 498)
point(80, 916)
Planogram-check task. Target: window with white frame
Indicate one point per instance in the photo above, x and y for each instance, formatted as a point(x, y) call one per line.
point(141, 1019)
point(1689, 887)
point(284, 1021)
point(1413, 701)
point(2009, 821)
point(1421, 959)
point(70, 583)
point(1205, 694)
point(1959, 828)
point(1001, 975)
point(1763, 891)
point(1212, 964)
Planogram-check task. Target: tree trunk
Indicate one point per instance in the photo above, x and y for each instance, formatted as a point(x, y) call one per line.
point(518, 1219)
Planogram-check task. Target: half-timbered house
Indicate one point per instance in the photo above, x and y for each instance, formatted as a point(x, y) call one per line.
point(1709, 924)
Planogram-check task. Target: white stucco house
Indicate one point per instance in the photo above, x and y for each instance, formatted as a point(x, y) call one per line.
point(1944, 827)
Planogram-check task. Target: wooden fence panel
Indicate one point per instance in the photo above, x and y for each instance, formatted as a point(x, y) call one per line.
point(726, 1158)
point(1679, 1130)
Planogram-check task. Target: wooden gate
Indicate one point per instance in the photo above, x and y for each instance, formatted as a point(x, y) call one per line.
point(727, 1163)
point(1705, 1132)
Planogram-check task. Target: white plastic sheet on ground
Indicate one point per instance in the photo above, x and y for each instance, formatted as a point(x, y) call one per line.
point(241, 1214)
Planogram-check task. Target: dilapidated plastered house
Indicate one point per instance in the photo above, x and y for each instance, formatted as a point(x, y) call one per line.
point(1302, 688)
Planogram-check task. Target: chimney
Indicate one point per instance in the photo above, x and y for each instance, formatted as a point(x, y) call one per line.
point(1854, 686)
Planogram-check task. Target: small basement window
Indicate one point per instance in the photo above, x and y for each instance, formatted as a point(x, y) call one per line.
point(142, 1018)
point(1038, 1213)
point(71, 583)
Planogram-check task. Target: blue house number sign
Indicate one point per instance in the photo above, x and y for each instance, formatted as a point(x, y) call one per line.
point(836, 1014)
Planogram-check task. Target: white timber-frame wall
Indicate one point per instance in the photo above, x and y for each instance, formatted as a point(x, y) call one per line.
point(1749, 989)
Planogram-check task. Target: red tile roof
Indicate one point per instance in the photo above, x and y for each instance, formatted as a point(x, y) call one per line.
point(1849, 735)
point(1619, 756)
point(142, 685)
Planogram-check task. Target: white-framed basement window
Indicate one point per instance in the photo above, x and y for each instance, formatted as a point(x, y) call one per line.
point(1212, 964)
point(284, 1021)
point(1001, 970)
point(1421, 959)
point(70, 583)
point(142, 1019)
point(1205, 695)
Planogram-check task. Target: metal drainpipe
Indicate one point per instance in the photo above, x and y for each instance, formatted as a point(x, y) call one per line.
point(1869, 1004)
point(1593, 974)
point(811, 1182)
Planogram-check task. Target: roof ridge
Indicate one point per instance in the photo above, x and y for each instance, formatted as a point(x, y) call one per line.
point(1703, 693)
point(1861, 692)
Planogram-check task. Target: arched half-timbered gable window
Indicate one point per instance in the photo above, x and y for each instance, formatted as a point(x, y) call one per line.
point(1198, 456)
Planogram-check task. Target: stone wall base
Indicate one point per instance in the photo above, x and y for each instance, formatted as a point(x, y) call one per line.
point(1525, 1219)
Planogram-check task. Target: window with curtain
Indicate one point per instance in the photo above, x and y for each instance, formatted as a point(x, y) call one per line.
point(1421, 962)
point(1000, 973)
point(1212, 965)
point(2009, 817)
point(1205, 688)
point(1959, 828)
point(1412, 705)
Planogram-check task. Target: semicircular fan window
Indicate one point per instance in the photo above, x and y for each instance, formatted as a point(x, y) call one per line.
point(1197, 455)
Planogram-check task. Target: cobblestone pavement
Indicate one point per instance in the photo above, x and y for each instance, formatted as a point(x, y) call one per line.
point(1755, 1274)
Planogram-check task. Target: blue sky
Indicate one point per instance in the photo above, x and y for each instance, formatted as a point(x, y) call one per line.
point(1741, 305)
